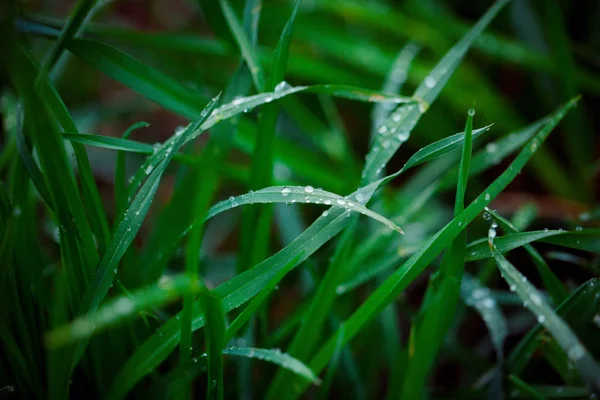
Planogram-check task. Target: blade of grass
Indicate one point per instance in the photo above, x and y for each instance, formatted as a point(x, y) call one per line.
point(443, 292)
point(120, 180)
point(215, 332)
point(245, 46)
point(116, 310)
point(551, 282)
point(562, 333)
point(76, 20)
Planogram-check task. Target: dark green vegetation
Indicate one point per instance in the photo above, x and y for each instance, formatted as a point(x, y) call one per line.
point(315, 227)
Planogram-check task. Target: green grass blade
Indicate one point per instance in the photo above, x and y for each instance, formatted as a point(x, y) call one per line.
point(76, 21)
point(120, 180)
point(415, 265)
point(443, 292)
point(275, 356)
point(246, 48)
point(480, 298)
point(215, 332)
point(402, 121)
point(562, 333)
point(117, 310)
point(299, 194)
point(138, 76)
point(587, 239)
point(551, 281)
point(579, 306)
point(393, 83)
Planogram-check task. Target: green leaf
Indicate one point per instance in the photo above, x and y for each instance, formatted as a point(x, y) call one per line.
point(562, 333)
point(299, 194)
point(442, 295)
point(551, 281)
point(139, 76)
point(243, 43)
point(77, 19)
point(587, 239)
point(275, 356)
point(113, 312)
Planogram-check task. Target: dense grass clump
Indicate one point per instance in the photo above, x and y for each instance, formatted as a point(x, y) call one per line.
point(299, 217)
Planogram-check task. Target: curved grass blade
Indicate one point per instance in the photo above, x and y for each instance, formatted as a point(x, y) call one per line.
point(299, 194)
point(119, 309)
point(551, 282)
point(443, 292)
point(562, 333)
point(587, 239)
point(275, 356)
point(416, 263)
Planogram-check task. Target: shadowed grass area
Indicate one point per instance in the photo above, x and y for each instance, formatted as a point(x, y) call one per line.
point(298, 217)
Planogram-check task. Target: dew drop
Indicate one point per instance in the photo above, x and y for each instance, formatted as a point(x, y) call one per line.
point(403, 136)
point(486, 216)
point(396, 117)
point(471, 112)
point(285, 191)
point(487, 197)
point(341, 202)
point(541, 319)
point(491, 147)
point(430, 82)
point(385, 144)
point(578, 228)
point(148, 169)
point(382, 129)
point(545, 229)
point(309, 189)
point(268, 99)
point(576, 352)
point(325, 213)
point(327, 202)
point(281, 86)
point(179, 131)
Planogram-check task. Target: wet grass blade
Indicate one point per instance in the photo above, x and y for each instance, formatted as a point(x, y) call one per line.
point(551, 281)
point(299, 194)
point(275, 356)
point(441, 299)
point(117, 310)
point(480, 298)
point(120, 180)
point(581, 305)
point(587, 239)
point(396, 129)
point(562, 333)
point(393, 82)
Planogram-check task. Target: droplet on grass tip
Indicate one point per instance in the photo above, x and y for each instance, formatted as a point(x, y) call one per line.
point(471, 112)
